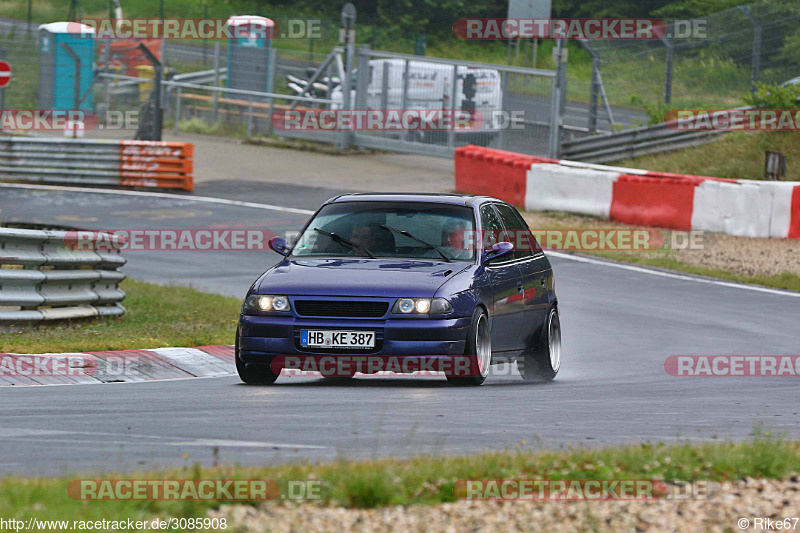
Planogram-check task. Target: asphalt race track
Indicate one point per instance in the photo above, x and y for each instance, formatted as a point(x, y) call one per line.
point(619, 323)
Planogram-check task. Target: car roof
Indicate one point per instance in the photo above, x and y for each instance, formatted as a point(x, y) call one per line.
point(453, 199)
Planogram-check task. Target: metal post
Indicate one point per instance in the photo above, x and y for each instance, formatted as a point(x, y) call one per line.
point(668, 76)
point(451, 135)
point(273, 55)
point(205, 41)
point(77, 87)
point(30, 16)
point(554, 143)
point(157, 111)
point(108, 80)
point(404, 95)
point(563, 66)
point(501, 135)
point(595, 87)
point(385, 85)
point(362, 79)
point(595, 95)
point(348, 76)
point(756, 64)
point(215, 99)
point(178, 97)
point(250, 117)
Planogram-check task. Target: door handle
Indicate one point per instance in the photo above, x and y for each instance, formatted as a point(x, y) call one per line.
point(519, 287)
point(544, 283)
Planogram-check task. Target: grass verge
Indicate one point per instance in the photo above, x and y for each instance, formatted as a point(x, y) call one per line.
point(420, 480)
point(155, 317)
point(738, 155)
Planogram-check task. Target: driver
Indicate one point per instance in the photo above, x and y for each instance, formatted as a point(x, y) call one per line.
point(365, 235)
point(453, 239)
point(374, 238)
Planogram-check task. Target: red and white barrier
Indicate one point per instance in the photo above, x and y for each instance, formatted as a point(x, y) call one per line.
point(640, 197)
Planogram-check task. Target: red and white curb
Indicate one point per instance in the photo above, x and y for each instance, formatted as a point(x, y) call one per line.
point(122, 366)
point(127, 366)
point(677, 201)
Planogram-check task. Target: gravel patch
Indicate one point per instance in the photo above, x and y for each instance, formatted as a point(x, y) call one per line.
point(749, 498)
point(739, 255)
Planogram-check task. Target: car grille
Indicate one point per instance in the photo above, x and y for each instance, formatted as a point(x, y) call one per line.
point(326, 308)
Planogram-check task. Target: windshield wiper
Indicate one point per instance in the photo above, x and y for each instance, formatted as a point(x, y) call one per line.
point(412, 237)
point(338, 238)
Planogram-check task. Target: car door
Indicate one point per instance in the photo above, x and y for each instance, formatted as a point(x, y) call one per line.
point(535, 272)
point(506, 315)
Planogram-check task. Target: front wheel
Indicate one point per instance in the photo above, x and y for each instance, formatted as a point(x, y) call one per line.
point(543, 361)
point(253, 374)
point(478, 351)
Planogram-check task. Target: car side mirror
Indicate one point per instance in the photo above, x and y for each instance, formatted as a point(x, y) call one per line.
point(497, 250)
point(278, 245)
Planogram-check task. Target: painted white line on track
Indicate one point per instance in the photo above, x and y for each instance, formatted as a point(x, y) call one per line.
point(162, 440)
point(224, 201)
point(681, 277)
point(149, 194)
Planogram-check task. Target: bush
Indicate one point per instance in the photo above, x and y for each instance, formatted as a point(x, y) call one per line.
point(774, 97)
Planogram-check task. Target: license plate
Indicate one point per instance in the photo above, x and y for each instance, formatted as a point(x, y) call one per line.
point(336, 339)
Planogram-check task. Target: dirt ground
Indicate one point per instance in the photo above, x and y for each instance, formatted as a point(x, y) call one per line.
point(752, 500)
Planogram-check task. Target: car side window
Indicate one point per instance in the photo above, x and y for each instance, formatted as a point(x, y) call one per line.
point(525, 244)
point(492, 227)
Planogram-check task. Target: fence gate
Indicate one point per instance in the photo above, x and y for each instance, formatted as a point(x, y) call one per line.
point(511, 106)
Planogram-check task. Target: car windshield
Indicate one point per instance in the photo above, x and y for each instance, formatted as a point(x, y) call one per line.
point(414, 230)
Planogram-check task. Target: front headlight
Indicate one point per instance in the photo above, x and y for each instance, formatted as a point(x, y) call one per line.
point(422, 306)
point(262, 303)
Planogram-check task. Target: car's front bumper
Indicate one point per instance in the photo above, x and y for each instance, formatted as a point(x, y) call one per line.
point(261, 338)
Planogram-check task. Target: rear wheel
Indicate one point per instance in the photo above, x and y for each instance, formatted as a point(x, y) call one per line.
point(253, 373)
point(478, 351)
point(543, 361)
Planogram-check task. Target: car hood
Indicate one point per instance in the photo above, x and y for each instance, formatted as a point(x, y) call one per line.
point(357, 277)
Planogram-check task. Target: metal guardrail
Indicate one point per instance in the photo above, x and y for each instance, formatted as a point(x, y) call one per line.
point(42, 278)
point(203, 76)
point(97, 162)
point(672, 135)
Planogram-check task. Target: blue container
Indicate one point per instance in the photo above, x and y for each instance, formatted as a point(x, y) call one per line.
point(249, 53)
point(57, 67)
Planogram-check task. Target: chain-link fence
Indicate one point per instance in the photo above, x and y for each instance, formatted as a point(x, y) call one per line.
point(22, 91)
point(710, 62)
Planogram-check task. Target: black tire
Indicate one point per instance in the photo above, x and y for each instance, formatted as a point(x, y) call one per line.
point(477, 334)
point(543, 361)
point(252, 373)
